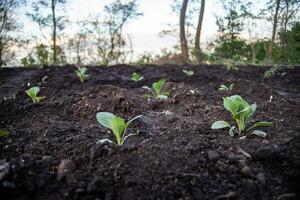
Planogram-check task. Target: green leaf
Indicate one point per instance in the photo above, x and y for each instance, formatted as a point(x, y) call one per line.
point(232, 104)
point(188, 72)
point(263, 124)
point(104, 141)
point(259, 133)
point(136, 77)
point(162, 97)
point(32, 92)
point(105, 119)
point(166, 93)
point(146, 87)
point(81, 73)
point(3, 133)
point(258, 124)
point(129, 122)
point(118, 126)
point(157, 86)
point(223, 87)
point(253, 108)
point(38, 99)
point(220, 124)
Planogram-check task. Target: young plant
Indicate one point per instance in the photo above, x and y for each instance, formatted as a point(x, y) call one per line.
point(33, 92)
point(241, 112)
point(188, 72)
point(116, 124)
point(3, 133)
point(231, 66)
point(272, 71)
point(136, 77)
point(226, 88)
point(157, 90)
point(81, 73)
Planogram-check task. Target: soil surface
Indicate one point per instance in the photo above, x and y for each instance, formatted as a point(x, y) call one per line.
point(51, 151)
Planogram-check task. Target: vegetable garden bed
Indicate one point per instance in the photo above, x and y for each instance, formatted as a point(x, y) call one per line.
point(51, 151)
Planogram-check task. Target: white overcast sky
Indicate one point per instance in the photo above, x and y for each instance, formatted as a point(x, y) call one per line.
point(144, 30)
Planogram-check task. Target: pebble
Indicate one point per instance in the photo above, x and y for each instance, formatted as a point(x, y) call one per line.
point(213, 155)
point(268, 152)
point(4, 169)
point(100, 150)
point(261, 177)
point(46, 158)
point(221, 166)
point(95, 185)
point(65, 167)
point(246, 171)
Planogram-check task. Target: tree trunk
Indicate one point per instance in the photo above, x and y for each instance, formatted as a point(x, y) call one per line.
point(183, 40)
point(253, 53)
point(198, 33)
point(275, 21)
point(78, 50)
point(1, 54)
point(54, 32)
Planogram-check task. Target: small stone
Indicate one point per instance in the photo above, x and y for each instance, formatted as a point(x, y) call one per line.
point(268, 152)
point(46, 158)
point(213, 155)
point(96, 185)
point(261, 178)
point(64, 168)
point(100, 150)
point(221, 166)
point(4, 169)
point(242, 163)
point(246, 171)
point(79, 191)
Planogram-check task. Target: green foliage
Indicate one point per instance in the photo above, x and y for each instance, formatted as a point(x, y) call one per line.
point(226, 88)
point(272, 71)
point(229, 44)
point(290, 43)
point(157, 90)
point(32, 93)
point(116, 124)
point(230, 66)
point(136, 77)
point(41, 56)
point(241, 112)
point(50, 15)
point(3, 133)
point(9, 24)
point(146, 58)
point(236, 49)
point(188, 72)
point(81, 73)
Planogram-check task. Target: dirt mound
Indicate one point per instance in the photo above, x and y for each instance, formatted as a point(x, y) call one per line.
point(176, 154)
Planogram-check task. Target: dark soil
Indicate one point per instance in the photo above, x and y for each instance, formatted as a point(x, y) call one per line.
point(174, 157)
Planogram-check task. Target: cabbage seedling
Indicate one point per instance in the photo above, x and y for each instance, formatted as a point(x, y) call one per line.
point(188, 72)
point(241, 112)
point(116, 124)
point(81, 73)
point(226, 88)
point(157, 90)
point(33, 92)
point(136, 77)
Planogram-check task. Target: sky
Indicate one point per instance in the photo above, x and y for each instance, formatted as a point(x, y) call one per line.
point(144, 31)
